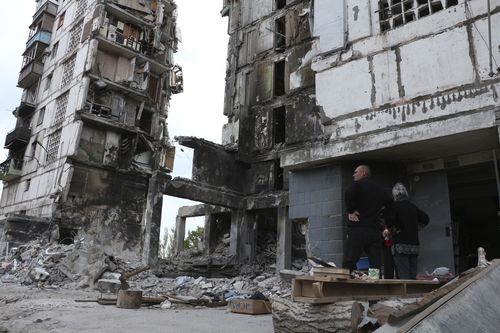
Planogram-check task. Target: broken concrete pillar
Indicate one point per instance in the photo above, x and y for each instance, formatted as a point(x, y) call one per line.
point(241, 240)
point(180, 232)
point(152, 219)
point(207, 234)
point(284, 248)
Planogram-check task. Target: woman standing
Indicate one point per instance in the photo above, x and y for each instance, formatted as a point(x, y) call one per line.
point(404, 223)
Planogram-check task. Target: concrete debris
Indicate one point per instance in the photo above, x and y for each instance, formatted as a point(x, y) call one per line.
point(109, 286)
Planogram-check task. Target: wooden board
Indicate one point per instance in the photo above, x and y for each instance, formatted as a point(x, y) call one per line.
point(330, 270)
point(311, 290)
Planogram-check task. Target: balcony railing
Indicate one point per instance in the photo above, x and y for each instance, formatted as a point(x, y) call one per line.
point(18, 138)
point(30, 74)
point(11, 169)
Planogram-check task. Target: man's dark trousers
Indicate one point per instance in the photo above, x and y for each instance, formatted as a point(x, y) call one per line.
point(361, 239)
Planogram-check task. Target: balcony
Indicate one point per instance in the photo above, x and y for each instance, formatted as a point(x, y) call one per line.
point(11, 169)
point(30, 74)
point(27, 106)
point(18, 138)
point(45, 7)
point(41, 36)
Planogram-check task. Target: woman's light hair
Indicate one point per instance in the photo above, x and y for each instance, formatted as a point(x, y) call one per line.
point(399, 192)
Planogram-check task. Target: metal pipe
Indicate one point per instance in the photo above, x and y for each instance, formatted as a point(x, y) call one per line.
point(491, 74)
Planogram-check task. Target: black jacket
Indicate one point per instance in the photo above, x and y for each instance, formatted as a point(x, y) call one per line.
point(405, 218)
point(368, 199)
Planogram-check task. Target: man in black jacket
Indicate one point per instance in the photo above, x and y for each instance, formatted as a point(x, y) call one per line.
point(365, 201)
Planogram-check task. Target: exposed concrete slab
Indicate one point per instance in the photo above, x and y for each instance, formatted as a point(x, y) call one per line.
point(200, 210)
point(188, 189)
point(321, 152)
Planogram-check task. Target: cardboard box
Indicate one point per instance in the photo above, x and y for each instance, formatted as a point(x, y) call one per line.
point(250, 306)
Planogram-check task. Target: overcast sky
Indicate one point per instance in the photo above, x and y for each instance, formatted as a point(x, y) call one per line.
point(195, 112)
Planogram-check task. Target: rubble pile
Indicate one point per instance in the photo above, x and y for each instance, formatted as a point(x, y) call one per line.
point(48, 264)
point(35, 263)
point(202, 290)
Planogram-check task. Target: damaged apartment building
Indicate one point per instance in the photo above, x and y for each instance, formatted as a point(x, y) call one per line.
point(91, 146)
point(315, 87)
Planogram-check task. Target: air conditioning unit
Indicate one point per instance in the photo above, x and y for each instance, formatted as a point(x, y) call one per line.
point(112, 36)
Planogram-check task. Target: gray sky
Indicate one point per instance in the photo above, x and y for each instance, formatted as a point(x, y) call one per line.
point(195, 112)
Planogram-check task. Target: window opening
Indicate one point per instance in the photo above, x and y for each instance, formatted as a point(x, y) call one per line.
point(280, 34)
point(280, 4)
point(278, 175)
point(41, 115)
point(53, 54)
point(395, 13)
point(279, 78)
point(279, 125)
point(61, 20)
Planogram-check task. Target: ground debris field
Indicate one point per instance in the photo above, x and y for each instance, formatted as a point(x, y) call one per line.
point(29, 309)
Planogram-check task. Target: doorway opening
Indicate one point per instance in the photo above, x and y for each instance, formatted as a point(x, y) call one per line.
point(474, 211)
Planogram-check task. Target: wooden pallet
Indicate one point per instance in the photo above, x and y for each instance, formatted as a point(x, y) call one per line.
point(317, 290)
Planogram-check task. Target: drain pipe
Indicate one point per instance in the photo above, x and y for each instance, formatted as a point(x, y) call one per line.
point(491, 74)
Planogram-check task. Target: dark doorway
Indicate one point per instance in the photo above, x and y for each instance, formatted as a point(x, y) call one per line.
point(265, 233)
point(474, 210)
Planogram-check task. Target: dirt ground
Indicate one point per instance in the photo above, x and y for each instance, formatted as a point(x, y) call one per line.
point(25, 309)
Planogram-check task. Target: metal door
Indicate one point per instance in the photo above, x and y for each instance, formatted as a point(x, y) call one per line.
point(430, 193)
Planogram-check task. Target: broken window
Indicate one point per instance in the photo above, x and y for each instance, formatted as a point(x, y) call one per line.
point(280, 34)
point(279, 122)
point(61, 20)
point(279, 4)
point(395, 13)
point(68, 70)
point(53, 142)
point(279, 78)
point(41, 115)
point(48, 82)
point(27, 186)
point(74, 38)
point(61, 106)
point(53, 53)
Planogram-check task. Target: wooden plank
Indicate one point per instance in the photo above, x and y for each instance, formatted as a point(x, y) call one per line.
point(330, 270)
point(329, 277)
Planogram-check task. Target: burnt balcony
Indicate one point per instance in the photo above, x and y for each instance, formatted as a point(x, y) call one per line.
point(30, 74)
point(18, 138)
point(25, 109)
point(11, 169)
